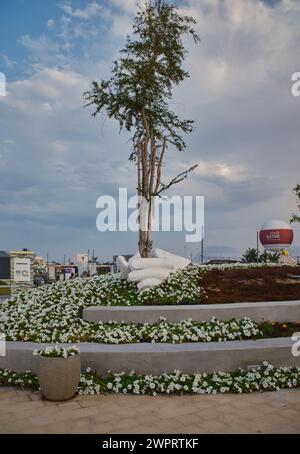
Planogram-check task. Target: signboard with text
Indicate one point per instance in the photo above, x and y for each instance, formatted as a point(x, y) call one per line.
point(21, 269)
point(51, 271)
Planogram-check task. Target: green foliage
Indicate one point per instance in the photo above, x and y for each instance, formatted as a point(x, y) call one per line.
point(250, 256)
point(269, 257)
point(53, 313)
point(276, 329)
point(266, 378)
point(142, 79)
point(295, 217)
point(24, 380)
point(168, 332)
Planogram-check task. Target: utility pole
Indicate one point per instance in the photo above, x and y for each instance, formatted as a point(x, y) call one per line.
point(202, 241)
point(257, 245)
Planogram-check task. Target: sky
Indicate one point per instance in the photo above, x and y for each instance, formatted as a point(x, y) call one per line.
point(55, 160)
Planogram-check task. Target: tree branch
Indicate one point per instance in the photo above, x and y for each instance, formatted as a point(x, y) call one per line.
point(180, 177)
point(160, 161)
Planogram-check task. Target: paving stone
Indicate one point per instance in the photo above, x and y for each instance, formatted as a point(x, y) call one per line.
point(41, 420)
point(64, 415)
point(291, 415)
point(9, 401)
point(190, 420)
point(167, 426)
point(36, 396)
point(213, 426)
point(277, 412)
point(101, 417)
point(147, 419)
point(105, 428)
point(126, 424)
point(7, 394)
point(70, 405)
point(20, 404)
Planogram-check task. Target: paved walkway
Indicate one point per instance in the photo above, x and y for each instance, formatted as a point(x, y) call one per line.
point(27, 412)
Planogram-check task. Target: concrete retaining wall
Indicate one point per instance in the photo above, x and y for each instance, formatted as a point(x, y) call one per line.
point(159, 358)
point(279, 311)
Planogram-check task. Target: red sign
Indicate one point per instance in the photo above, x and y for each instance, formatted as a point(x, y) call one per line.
point(278, 237)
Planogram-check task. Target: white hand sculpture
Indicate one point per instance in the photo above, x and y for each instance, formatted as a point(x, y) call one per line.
point(150, 272)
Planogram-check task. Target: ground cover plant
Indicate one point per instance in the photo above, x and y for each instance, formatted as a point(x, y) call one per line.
point(53, 313)
point(266, 378)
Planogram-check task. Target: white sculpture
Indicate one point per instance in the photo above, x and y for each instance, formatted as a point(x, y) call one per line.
point(150, 272)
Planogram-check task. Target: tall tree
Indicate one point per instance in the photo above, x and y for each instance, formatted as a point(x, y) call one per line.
point(137, 95)
point(296, 218)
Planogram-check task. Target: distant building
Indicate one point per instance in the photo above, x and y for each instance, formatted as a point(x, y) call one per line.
point(82, 257)
point(4, 265)
point(105, 268)
point(82, 261)
point(216, 252)
point(40, 261)
point(220, 261)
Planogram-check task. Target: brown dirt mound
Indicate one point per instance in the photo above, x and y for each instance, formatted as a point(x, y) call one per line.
point(250, 285)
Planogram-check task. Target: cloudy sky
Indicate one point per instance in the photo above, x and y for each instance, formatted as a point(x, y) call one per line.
point(55, 161)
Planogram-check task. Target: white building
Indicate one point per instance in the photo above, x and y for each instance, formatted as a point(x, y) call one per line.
point(82, 259)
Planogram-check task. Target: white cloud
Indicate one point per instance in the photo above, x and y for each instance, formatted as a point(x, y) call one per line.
point(8, 62)
point(222, 170)
point(50, 23)
point(246, 137)
point(92, 10)
point(129, 6)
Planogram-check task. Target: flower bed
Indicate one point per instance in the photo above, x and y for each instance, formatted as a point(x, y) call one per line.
point(176, 333)
point(49, 328)
point(267, 378)
point(162, 332)
point(57, 352)
point(53, 313)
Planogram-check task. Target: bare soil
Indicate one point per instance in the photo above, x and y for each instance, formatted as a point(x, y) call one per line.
point(252, 285)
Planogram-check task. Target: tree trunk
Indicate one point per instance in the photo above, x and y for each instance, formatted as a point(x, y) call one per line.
point(145, 224)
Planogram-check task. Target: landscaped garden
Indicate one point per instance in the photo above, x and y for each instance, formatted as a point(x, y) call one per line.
point(267, 378)
point(53, 314)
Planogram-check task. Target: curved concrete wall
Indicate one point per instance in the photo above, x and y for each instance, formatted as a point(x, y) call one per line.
point(159, 358)
point(279, 311)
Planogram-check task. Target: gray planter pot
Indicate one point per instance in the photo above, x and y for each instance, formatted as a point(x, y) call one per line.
point(59, 377)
